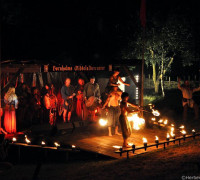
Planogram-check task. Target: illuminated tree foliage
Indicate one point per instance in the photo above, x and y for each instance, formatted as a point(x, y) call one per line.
point(164, 42)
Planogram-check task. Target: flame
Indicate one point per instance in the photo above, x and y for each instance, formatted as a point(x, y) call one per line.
point(95, 111)
point(103, 122)
point(165, 121)
point(172, 134)
point(117, 147)
point(160, 121)
point(56, 144)
point(153, 119)
point(193, 130)
point(168, 136)
point(137, 121)
point(27, 140)
point(182, 127)
point(73, 146)
point(14, 139)
point(156, 138)
point(155, 112)
point(43, 143)
point(183, 131)
point(144, 140)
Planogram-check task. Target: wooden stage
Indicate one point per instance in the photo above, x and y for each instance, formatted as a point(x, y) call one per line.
point(93, 138)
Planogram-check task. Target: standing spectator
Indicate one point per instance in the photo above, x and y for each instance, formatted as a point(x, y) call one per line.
point(92, 97)
point(79, 98)
point(11, 102)
point(36, 105)
point(187, 100)
point(47, 107)
point(67, 92)
point(54, 105)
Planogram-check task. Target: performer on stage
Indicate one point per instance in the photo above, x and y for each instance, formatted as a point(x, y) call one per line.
point(54, 104)
point(47, 107)
point(113, 81)
point(67, 92)
point(79, 98)
point(125, 125)
point(11, 102)
point(113, 110)
point(92, 97)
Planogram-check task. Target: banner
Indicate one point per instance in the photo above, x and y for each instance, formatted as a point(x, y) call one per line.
point(66, 68)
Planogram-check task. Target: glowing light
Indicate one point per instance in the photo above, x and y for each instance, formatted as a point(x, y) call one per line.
point(14, 139)
point(153, 119)
point(166, 122)
point(103, 122)
point(73, 146)
point(56, 144)
point(117, 147)
point(155, 112)
point(43, 143)
point(95, 111)
point(27, 140)
point(156, 138)
point(193, 130)
point(172, 134)
point(183, 132)
point(168, 136)
point(137, 89)
point(137, 121)
point(130, 144)
point(182, 127)
point(172, 125)
point(160, 121)
point(144, 140)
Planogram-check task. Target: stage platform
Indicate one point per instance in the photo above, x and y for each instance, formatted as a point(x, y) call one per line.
point(94, 139)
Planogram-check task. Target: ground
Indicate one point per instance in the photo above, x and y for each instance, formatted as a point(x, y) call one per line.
point(172, 163)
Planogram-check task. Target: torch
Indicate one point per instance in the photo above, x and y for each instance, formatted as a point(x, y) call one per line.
point(43, 143)
point(167, 138)
point(157, 141)
point(193, 133)
point(27, 140)
point(57, 144)
point(184, 134)
point(145, 143)
point(14, 139)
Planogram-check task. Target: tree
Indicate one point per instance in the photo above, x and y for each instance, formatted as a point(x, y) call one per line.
point(164, 42)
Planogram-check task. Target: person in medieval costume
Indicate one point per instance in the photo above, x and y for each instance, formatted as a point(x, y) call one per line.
point(11, 103)
point(187, 101)
point(113, 81)
point(68, 93)
point(79, 99)
point(125, 124)
point(112, 103)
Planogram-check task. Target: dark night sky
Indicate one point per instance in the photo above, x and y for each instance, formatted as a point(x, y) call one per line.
point(69, 31)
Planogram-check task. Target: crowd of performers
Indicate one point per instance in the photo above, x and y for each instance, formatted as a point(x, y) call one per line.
point(25, 106)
